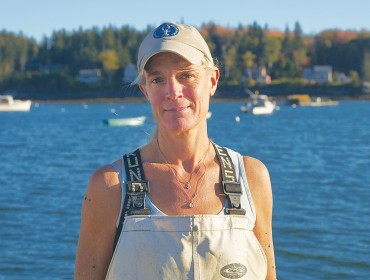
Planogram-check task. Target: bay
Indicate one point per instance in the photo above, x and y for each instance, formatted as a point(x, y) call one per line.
point(318, 158)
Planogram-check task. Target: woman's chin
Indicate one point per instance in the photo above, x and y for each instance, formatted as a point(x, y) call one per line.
point(179, 125)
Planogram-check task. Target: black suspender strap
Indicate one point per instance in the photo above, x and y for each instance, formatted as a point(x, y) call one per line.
point(136, 190)
point(137, 187)
point(231, 187)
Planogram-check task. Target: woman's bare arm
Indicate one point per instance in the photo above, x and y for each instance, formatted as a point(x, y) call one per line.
point(260, 185)
point(100, 209)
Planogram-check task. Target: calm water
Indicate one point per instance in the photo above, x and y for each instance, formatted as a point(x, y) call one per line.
point(318, 158)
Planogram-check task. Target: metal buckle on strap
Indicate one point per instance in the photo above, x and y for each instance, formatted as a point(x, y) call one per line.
point(233, 191)
point(138, 186)
point(137, 190)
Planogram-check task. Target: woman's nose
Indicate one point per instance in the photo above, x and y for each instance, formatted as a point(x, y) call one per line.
point(173, 89)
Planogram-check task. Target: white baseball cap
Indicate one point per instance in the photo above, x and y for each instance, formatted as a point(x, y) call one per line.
point(184, 40)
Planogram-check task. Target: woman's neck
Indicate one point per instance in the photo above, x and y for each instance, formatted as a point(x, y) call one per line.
point(183, 150)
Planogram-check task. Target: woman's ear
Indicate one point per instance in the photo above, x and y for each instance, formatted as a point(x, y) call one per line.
point(214, 80)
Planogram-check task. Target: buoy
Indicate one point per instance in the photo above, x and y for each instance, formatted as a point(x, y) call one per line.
point(237, 119)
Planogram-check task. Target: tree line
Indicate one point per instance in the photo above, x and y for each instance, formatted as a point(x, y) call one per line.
point(54, 62)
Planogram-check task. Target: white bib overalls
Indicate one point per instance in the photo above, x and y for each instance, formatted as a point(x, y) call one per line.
point(191, 247)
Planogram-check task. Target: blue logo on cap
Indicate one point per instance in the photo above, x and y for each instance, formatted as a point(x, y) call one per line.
point(165, 30)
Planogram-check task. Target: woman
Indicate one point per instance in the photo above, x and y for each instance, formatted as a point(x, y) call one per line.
point(208, 213)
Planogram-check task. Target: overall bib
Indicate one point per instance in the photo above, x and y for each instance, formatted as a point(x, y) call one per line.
point(191, 247)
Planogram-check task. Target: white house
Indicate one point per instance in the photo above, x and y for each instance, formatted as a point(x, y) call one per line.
point(342, 78)
point(89, 76)
point(320, 74)
point(259, 74)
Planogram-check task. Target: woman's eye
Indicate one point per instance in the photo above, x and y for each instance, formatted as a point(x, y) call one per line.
point(186, 76)
point(156, 80)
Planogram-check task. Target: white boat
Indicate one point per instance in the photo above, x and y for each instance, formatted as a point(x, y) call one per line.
point(135, 121)
point(317, 102)
point(8, 104)
point(259, 105)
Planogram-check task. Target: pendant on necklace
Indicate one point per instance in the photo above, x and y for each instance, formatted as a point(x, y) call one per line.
point(191, 204)
point(187, 185)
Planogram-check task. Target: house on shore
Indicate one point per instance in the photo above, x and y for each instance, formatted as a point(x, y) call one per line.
point(258, 74)
point(319, 74)
point(89, 76)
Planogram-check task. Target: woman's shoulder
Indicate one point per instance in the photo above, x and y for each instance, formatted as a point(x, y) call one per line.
point(107, 175)
point(104, 182)
point(255, 166)
point(258, 180)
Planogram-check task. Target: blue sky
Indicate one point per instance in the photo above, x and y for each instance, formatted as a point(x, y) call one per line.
point(40, 17)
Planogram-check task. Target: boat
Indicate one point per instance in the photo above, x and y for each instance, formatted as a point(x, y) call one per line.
point(135, 121)
point(8, 104)
point(298, 100)
point(259, 104)
point(318, 101)
point(305, 100)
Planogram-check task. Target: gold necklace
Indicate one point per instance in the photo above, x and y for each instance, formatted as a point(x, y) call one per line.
point(190, 200)
point(186, 183)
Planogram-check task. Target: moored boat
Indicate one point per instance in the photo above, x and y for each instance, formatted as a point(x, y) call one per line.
point(135, 121)
point(305, 100)
point(259, 104)
point(298, 100)
point(318, 101)
point(9, 104)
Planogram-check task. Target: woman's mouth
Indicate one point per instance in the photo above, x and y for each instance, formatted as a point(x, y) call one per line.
point(177, 109)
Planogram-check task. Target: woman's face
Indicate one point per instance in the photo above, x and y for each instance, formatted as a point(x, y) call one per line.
point(178, 91)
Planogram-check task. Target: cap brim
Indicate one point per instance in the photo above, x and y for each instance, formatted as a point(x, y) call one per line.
point(191, 54)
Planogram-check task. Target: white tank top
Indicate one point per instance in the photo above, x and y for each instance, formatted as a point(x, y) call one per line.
point(190, 247)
